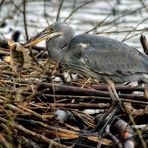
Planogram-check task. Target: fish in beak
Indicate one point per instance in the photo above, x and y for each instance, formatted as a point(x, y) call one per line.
point(48, 33)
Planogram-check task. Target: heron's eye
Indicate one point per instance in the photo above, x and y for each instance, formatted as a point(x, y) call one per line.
point(52, 29)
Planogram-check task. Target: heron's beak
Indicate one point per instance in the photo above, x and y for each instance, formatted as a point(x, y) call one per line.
point(45, 34)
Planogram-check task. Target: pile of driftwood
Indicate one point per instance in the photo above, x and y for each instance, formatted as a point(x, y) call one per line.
point(36, 111)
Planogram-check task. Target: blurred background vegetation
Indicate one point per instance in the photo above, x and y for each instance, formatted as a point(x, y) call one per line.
point(124, 20)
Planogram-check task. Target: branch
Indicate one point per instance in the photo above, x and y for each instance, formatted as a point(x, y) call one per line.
point(76, 9)
point(144, 44)
point(24, 18)
point(59, 10)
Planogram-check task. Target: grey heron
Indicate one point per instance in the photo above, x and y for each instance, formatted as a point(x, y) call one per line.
point(94, 56)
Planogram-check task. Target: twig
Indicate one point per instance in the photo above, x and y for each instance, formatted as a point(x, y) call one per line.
point(59, 10)
point(77, 92)
point(98, 25)
point(45, 15)
point(4, 142)
point(123, 31)
point(76, 9)
point(31, 133)
point(135, 112)
point(4, 52)
point(135, 29)
point(17, 7)
point(79, 106)
point(144, 44)
point(144, 5)
point(69, 90)
point(1, 2)
point(116, 19)
point(24, 18)
point(35, 60)
point(139, 133)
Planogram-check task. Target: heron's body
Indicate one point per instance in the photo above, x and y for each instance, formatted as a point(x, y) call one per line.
point(99, 57)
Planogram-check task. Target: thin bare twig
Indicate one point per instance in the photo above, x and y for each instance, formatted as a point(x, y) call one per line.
point(144, 5)
point(59, 10)
point(17, 7)
point(31, 133)
point(123, 31)
point(76, 9)
point(25, 21)
point(135, 29)
point(115, 20)
point(35, 60)
point(1, 2)
point(99, 24)
point(144, 43)
point(139, 133)
point(45, 15)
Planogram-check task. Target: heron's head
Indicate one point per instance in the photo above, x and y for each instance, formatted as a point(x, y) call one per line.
point(57, 29)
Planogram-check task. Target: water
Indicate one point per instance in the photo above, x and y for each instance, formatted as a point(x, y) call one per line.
point(123, 20)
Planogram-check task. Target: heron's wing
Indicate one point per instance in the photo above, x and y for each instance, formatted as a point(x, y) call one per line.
point(113, 63)
point(114, 58)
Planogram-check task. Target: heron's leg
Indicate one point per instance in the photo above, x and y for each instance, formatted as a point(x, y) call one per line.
point(146, 90)
point(115, 98)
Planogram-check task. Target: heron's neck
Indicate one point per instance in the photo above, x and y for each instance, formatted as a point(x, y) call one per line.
point(55, 47)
